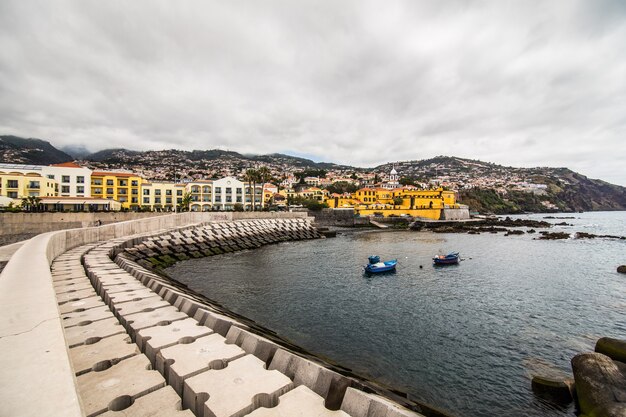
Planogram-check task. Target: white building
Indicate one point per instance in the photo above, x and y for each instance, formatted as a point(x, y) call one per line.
point(227, 192)
point(73, 180)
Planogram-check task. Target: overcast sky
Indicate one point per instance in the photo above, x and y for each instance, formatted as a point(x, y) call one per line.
point(521, 83)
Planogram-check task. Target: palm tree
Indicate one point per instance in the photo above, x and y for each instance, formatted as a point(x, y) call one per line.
point(250, 177)
point(264, 176)
point(185, 202)
point(31, 203)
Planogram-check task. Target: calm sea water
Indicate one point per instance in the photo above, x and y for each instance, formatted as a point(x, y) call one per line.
point(466, 338)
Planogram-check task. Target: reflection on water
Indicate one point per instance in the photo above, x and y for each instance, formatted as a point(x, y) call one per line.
point(465, 338)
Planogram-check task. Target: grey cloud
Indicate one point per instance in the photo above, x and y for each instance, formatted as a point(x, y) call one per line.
point(358, 82)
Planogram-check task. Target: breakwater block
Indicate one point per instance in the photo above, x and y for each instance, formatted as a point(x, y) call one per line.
point(559, 391)
point(238, 389)
point(185, 360)
point(621, 269)
point(613, 348)
point(298, 402)
point(104, 352)
point(600, 385)
point(360, 404)
point(160, 403)
point(115, 388)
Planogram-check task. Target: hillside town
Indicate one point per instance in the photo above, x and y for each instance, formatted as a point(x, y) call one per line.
point(71, 187)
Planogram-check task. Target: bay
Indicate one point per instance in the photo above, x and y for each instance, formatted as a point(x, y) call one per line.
point(466, 338)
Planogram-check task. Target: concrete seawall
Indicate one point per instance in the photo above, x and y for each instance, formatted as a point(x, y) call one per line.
point(83, 334)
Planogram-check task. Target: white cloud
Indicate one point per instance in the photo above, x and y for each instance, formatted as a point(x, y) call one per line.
point(357, 82)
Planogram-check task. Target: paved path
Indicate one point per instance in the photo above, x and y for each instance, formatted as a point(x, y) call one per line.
point(7, 251)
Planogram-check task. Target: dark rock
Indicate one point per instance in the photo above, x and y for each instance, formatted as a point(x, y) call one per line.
point(514, 232)
point(583, 235)
point(554, 236)
point(621, 269)
point(558, 391)
point(531, 231)
point(613, 348)
point(600, 385)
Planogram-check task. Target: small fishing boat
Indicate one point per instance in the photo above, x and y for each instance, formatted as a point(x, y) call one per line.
point(375, 266)
point(449, 259)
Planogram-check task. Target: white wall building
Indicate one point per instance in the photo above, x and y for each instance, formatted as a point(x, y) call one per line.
point(73, 180)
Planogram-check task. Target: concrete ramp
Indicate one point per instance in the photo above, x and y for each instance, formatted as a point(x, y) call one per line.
point(379, 225)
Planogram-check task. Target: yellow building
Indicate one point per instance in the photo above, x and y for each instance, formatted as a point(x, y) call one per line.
point(396, 202)
point(119, 186)
point(18, 185)
point(161, 196)
point(201, 195)
point(311, 193)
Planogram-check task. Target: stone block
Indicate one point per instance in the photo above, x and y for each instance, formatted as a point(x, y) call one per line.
point(218, 322)
point(185, 360)
point(75, 296)
point(252, 343)
point(86, 317)
point(80, 305)
point(73, 287)
point(116, 387)
point(158, 317)
point(328, 384)
point(143, 305)
point(102, 353)
point(243, 386)
point(161, 403)
point(79, 335)
point(360, 404)
point(301, 402)
point(123, 297)
point(153, 339)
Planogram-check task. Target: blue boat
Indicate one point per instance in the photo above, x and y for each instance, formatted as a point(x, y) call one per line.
point(449, 259)
point(375, 266)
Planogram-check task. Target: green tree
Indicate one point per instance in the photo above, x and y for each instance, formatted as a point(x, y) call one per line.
point(264, 175)
point(31, 203)
point(185, 202)
point(250, 177)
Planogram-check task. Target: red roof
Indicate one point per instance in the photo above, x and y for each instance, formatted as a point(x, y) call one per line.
point(112, 174)
point(66, 165)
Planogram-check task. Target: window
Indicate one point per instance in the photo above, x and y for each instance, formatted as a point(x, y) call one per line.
point(96, 182)
point(168, 192)
point(218, 190)
point(195, 189)
point(133, 200)
point(157, 200)
point(134, 183)
point(179, 201)
point(168, 200)
point(33, 184)
point(239, 190)
point(146, 200)
point(97, 190)
point(110, 191)
point(122, 191)
point(122, 183)
point(109, 182)
point(122, 199)
point(229, 190)
point(157, 192)
point(50, 176)
point(80, 180)
point(12, 194)
point(206, 189)
point(239, 199)
point(218, 199)
point(12, 184)
point(65, 178)
point(229, 199)
point(206, 199)
point(65, 188)
point(134, 191)
point(146, 191)
point(179, 192)
point(80, 189)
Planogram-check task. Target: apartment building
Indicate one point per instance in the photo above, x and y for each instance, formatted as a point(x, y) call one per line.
point(161, 196)
point(18, 185)
point(73, 180)
point(119, 186)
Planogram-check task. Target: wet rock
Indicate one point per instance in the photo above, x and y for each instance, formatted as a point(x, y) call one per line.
point(583, 235)
point(600, 385)
point(621, 269)
point(613, 348)
point(514, 232)
point(555, 390)
point(554, 235)
point(531, 231)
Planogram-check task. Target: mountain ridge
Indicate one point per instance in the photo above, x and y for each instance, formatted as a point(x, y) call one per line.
point(485, 186)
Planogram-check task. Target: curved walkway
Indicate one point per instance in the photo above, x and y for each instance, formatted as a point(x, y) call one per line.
point(67, 330)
